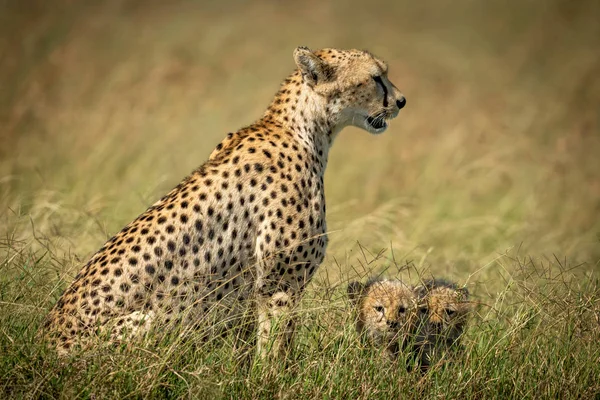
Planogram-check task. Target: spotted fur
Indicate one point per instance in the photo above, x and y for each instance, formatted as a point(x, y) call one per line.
point(245, 229)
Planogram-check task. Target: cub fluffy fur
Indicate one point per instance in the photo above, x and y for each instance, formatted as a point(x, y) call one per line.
point(386, 313)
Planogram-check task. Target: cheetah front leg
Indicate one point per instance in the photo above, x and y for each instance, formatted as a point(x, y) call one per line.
point(275, 324)
point(281, 276)
point(275, 301)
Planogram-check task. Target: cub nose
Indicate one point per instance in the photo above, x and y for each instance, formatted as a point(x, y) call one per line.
point(394, 324)
point(437, 326)
point(401, 102)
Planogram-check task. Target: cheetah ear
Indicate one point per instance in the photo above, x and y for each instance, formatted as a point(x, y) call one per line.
point(313, 69)
point(355, 290)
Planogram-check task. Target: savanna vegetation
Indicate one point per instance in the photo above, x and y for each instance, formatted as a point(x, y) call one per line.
point(490, 177)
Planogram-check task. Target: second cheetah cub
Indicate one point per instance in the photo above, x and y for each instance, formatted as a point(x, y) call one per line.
point(446, 308)
point(386, 313)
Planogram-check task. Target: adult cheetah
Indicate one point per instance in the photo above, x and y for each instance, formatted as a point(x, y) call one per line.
point(386, 313)
point(245, 228)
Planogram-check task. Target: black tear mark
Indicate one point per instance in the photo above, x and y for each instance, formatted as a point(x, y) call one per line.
point(378, 80)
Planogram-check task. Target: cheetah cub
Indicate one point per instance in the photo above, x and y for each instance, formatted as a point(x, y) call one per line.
point(386, 313)
point(245, 232)
point(446, 308)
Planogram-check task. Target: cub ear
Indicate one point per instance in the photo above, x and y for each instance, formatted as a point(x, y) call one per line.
point(464, 293)
point(313, 69)
point(420, 290)
point(355, 290)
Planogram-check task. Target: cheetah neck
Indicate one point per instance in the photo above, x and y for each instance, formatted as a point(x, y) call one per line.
point(305, 114)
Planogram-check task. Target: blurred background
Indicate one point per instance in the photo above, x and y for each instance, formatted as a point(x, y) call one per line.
point(106, 105)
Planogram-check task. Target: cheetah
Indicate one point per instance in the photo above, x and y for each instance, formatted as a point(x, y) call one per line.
point(386, 313)
point(244, 231)
point(447, 308)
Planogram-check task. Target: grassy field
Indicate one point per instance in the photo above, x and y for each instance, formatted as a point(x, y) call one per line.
point(490, 177)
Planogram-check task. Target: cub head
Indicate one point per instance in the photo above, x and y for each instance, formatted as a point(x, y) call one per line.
point(354, 85)
point(446, 307)
point(385, 308)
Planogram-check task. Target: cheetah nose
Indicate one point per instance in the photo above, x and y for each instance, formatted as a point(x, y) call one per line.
point(401, 102)
point(394, 324)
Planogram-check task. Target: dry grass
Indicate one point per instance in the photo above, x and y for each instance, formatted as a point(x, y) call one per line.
point(490, 176)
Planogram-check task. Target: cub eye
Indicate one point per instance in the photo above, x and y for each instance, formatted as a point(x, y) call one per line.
point(379, 83)
point(378, 309)
point(450, 312)
point(402, 309)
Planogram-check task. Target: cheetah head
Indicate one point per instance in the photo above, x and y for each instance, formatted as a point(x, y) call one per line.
point(446, 307)
point(354, 85)
point(385, 308)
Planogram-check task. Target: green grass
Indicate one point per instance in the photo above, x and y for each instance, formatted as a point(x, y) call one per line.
point(490, 177)
point(538, 337)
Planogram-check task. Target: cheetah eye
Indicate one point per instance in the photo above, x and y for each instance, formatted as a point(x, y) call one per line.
point(450, 312)
point(402, 309)
point(379, 83)
point(379, 309)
